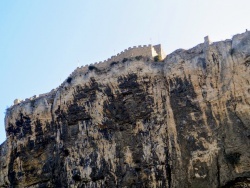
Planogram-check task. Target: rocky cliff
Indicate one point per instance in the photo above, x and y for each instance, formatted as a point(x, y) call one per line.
point(184, 122)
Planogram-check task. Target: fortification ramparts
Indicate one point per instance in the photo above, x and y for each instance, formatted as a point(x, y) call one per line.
point(144, 51)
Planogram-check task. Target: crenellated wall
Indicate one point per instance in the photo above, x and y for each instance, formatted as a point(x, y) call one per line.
point(145, 51)
point(141, 50)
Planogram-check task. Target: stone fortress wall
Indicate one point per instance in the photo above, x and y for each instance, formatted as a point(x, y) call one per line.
point(145, 51)
point(149, 51)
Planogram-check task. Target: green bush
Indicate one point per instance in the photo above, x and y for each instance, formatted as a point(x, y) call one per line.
point(6, 110)
point(157, 58)
point(92, 67)
point(138, 58)
point(69, 79)
point(114, 63)
point(124, 60)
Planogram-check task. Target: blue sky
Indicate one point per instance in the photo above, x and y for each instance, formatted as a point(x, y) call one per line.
point(43, 41)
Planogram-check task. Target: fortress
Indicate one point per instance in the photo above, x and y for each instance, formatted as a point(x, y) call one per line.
point(145, 51)
point(148, 51)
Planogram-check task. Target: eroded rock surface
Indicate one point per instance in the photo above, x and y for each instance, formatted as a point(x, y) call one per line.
point(184, 122)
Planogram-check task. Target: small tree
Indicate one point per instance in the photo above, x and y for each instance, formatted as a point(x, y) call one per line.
point(92, 67)
point(69, 79)
point(6, 110)
point(124, 60)
point(157, 58)
point(114, 63)
point(138, 58)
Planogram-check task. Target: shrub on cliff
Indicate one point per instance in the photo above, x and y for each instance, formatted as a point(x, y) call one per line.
point(114, 63)
point(124, 60)
point(157, 58)
point(138, 58)
point(6, 110)
point(69, 79)
point(92, 67)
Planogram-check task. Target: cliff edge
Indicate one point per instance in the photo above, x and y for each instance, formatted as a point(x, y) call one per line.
point(184, 122)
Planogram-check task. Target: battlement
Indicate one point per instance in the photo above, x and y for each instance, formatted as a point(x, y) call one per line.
point(145, 51)
point(148, 51)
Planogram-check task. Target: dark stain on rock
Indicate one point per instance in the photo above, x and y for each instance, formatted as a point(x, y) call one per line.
point(239, 182)
point(98, 172)
point(181, 95)
point(210, 117)
point(22, 127)
point(76, 175)
point(121, 111)
point(130, 104)
point(233, 158)
point(38, 128)
point(87, 92)
point(106, 133)
point(11, 173)
point(76, 113)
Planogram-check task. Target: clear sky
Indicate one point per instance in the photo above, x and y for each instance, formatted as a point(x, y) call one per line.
point(43, 41)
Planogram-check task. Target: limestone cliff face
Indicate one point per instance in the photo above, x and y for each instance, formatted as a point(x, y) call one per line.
point(184, 122)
